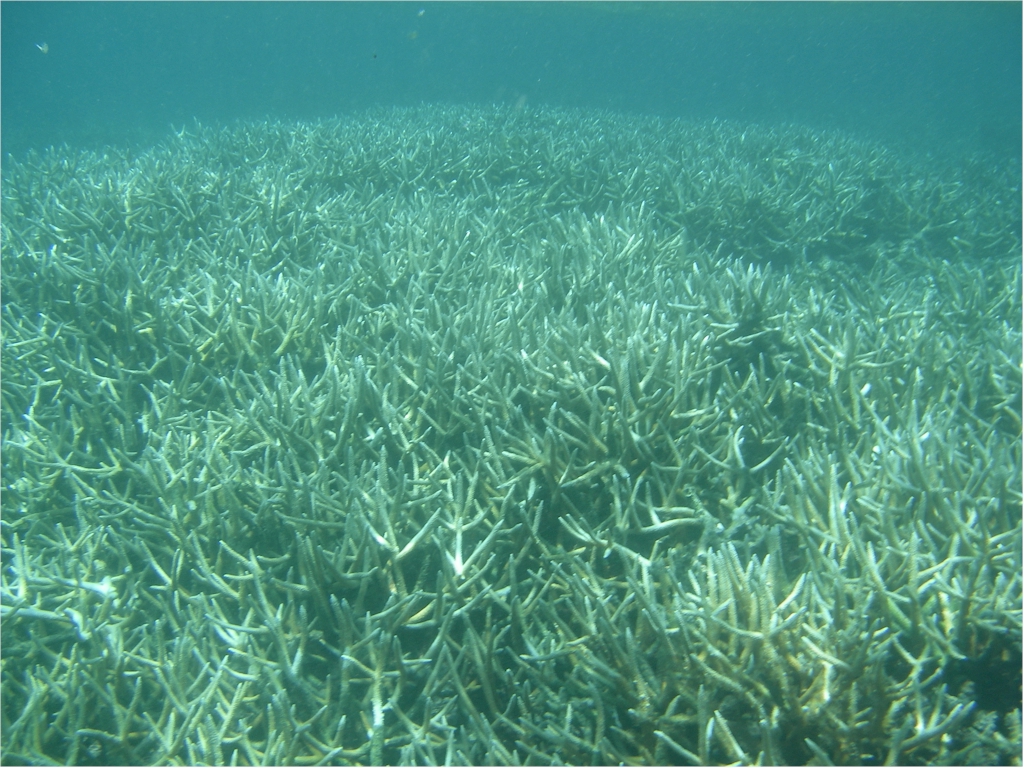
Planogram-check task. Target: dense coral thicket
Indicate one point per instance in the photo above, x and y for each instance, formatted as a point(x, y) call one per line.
point(474, 435)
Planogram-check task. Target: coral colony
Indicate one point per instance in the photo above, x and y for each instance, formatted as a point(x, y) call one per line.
point(473, 435)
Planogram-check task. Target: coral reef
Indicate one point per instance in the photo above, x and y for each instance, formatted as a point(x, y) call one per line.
point(473, 435)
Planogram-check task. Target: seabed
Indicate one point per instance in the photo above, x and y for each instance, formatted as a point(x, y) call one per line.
point(457, 435)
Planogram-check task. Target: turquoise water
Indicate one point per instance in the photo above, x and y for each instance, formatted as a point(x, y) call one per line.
point(926, 74)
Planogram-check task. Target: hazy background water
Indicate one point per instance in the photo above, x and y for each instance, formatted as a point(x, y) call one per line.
point(930, 75)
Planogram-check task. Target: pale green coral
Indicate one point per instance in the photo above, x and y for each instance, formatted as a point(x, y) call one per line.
point(458, 435)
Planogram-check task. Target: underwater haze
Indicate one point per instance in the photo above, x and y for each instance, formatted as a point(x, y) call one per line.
point(931, 74)
point(492, 384)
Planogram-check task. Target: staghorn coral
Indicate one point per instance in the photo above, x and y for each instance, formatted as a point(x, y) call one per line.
point(469, 435)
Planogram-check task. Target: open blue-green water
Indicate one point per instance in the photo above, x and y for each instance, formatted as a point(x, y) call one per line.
point(927, 74)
